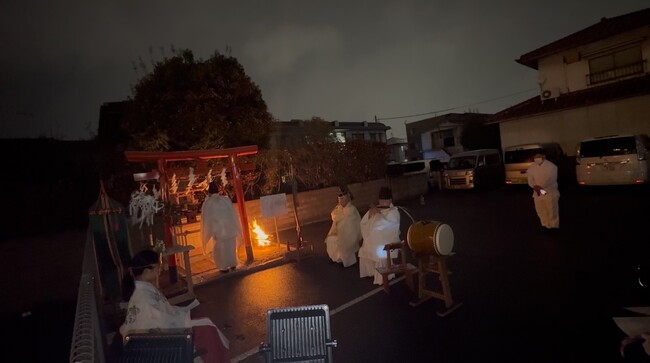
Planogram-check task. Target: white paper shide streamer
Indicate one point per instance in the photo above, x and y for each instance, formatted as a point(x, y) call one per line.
point(143, 206)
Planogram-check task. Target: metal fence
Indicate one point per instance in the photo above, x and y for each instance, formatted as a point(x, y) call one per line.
point(88, 343)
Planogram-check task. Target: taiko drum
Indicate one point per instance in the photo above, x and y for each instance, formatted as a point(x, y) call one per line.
point(430, 237)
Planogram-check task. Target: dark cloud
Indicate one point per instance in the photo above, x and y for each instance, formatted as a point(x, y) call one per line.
point(340, 60)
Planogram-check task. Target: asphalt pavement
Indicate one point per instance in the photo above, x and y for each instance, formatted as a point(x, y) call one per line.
point(527, 295)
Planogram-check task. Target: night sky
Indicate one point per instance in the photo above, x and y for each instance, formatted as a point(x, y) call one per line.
point(399, 61)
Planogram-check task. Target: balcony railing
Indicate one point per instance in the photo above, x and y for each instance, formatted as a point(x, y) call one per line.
point(620, 72)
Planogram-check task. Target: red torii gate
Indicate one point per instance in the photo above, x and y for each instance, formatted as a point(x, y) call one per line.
point(163, 157)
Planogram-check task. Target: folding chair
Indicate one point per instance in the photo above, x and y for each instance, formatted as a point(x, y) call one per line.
point(171, 346)
point(298, 334)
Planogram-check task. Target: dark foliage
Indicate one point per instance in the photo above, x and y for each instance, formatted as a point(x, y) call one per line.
point(189, 104)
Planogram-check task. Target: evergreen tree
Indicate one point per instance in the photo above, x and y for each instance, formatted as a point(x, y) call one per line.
point(189, 104)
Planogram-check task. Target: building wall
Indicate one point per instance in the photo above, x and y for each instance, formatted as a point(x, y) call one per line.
point(316, 205)
point(397, 152)
point(426, 135)
point(435, 140)
point(569, 127)
point(568, 71)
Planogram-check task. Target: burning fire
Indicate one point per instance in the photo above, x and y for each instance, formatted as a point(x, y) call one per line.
point(261, 237)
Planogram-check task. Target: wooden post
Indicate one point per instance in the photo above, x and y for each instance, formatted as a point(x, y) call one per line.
point(277, 234)
point(167, 219)
point(236, 177)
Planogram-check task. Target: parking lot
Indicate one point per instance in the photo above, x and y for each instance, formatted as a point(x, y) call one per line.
point(528, 296)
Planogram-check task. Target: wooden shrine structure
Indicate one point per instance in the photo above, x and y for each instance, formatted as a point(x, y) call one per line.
point(161, 160)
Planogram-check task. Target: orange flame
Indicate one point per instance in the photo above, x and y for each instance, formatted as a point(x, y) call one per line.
point(261, 237)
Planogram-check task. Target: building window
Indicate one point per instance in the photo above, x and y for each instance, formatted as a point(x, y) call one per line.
point(358, 136)
point(447, 137)
point(376, 136)
point(615, 65)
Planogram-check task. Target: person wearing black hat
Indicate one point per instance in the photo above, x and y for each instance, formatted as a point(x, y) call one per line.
point(220, 229)
point(343, 238)
point(379, 226)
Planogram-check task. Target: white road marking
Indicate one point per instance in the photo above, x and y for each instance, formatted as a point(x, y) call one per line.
point(348, 304)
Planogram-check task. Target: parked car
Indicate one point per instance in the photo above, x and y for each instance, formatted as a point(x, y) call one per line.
point(432, 167)
point(436, 154)
point(474, 169)
point(517, 159)
point(613, 160)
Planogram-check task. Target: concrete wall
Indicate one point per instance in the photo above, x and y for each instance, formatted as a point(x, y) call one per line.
point(313, 206)
point(316, 205)
point(569, 127)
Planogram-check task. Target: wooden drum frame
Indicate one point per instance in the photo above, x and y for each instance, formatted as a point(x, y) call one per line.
point(432, 242)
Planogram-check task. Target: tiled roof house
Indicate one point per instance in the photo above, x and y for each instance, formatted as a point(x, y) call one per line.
point(594, 82)
point(428, 136)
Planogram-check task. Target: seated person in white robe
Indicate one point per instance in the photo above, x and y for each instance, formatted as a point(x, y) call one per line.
point(148, 310)
point(343, 238)
point(379, 226)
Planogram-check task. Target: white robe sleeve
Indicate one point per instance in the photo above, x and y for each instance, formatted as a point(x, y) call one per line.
point(349, 227)
point(334, 216)
point(379, 230)
point(206, 233)
point(149, 310)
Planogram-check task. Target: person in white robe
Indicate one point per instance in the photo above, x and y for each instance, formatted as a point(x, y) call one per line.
point(220, 229)
point(379, 226)
point(542, 177)
point(149, 310)
point(343, 238)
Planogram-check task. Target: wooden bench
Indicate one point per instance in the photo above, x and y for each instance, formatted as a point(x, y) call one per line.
point(403, 267)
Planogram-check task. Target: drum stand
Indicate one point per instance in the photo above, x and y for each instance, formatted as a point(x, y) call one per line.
point(429, 263)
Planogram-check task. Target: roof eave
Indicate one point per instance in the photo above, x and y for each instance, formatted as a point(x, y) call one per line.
point(531, 63)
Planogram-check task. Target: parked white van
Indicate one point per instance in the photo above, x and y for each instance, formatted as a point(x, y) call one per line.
point(474, 169)
point(518, 158)
point(432, 168)
point(613, 160)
